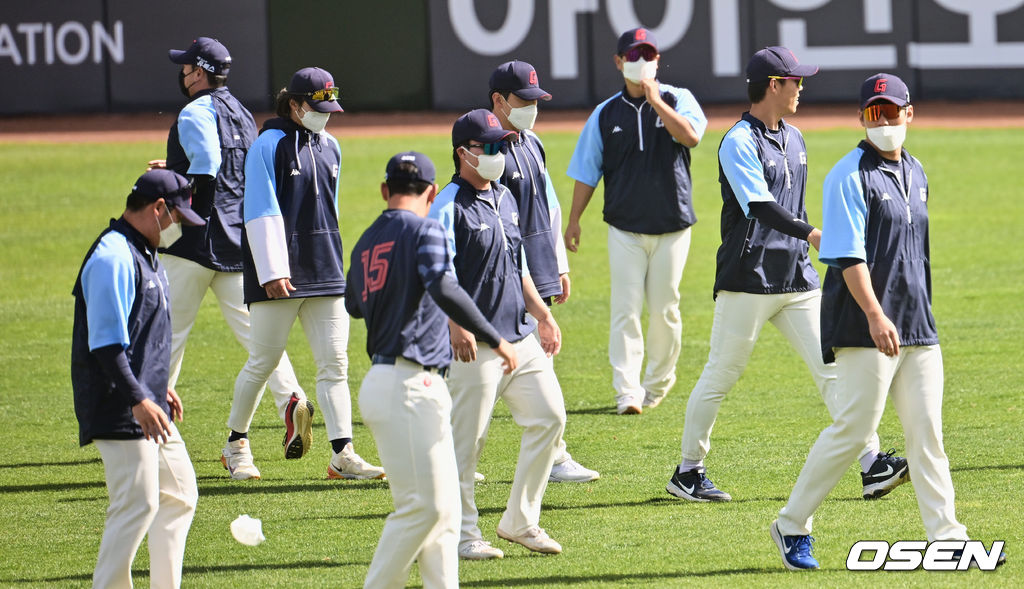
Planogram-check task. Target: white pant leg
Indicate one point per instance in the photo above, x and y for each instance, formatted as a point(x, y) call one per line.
point(561, 451)
point(864, 376)
point(409, 412)
point(143, 480)
point(665, 326)
point(325, 322)
point(178, 497)
point(474, 390)
point(270, 323)
point(799, 319)
point(534, 398)
point(227, 287)
point(737, 323)
point(188, 282)
point(917, 397)
point(627, 260)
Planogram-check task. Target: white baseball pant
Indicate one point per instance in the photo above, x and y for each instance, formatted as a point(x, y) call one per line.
point(738, 320)
point(866, 377)
point(409, 412)
point(152, 489)
point(645, 268)
point(325, 323)
point(534, 398)
point(189, 282)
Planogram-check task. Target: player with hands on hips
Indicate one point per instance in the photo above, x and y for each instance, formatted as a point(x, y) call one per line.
point(639, 141)
point(400, 281)
point(481, 224)
point(293, 268)
point(120, 353)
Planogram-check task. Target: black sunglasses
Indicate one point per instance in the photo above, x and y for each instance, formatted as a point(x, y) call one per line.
point(490, 148)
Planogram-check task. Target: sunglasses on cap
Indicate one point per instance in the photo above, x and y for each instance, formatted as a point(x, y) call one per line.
point(645, 51)
point(887, 109)
point(490, 148)
point(799, 80)
point(324, 94)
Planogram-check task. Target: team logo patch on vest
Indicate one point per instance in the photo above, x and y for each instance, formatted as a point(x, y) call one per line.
point(659, 123)
point(885, 196)
point(923, 192)
point(803, 158)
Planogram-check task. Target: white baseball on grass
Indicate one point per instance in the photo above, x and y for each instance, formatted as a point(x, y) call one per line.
point(247, 530)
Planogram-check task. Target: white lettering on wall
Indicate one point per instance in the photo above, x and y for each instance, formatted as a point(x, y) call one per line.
point(472, 34)
point(70, 44)
point(565, 60)
point(671, 29)
point(982, 49)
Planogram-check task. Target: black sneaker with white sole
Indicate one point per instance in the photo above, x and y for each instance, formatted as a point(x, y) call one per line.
point(887, 473)
point(692, 485)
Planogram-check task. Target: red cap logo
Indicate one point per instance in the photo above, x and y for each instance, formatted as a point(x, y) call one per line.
point(533, 77)
point(641, 35)
point(492, 121)
point(880, 85)
point(328, 84)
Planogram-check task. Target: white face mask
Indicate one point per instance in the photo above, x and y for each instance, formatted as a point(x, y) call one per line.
point(490, 167)
point(313, 120)
point(523, 117)
point(641, 69)
point(888, 138)
point(170, 234)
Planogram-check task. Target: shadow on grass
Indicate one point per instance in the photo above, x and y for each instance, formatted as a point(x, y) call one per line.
point(203, 570)
point(258, 486)
point(65, 486)
point(988, 467)
point(565, 580)
point(54, 463)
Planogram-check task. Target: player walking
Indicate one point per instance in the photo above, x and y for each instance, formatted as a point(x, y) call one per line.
point(400, 281)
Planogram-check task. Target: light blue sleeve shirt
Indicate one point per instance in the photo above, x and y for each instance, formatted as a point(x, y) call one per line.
point(686, 105)
point(199, 137)
point(443, 211)
point(587, 158)
point(108, 285)
point(844, 212)
point(261, 178)
point(743, 167)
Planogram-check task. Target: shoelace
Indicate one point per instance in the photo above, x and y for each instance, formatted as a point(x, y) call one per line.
point(803, 546)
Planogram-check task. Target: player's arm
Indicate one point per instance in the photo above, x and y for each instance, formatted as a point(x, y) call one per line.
point(581, 195)
point(686, 121)
point(547, 328)
point(585, 167)
point(264, 225)
point(200, 138)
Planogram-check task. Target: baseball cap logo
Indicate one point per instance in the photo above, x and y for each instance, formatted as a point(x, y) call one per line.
point(492, 121)
point(328, 84)
point(533, 77)
point(880, 85)
point(641, 35)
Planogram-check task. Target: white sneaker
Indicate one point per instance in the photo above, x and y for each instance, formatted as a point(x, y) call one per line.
point(571, 471)
point(651, 400)
point(479, 550)
point(627, 405)
point(349, 465)
point(535, 539)
point(237, 458)
point(478, 477)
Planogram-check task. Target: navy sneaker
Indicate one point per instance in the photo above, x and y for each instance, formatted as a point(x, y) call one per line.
point(885, 474)
point(692, 485)
point(795, 550)
point(999, 561)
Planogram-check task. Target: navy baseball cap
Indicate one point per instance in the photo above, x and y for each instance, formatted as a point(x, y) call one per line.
point(423, 172)
point(317, 87)
point(175, 189)
point(635, 38)
point(480, 125)
point(519, 78)
point(776, 61)
point(884, 87)
point(206, 53)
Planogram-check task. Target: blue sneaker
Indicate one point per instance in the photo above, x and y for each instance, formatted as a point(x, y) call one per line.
point(795, 550)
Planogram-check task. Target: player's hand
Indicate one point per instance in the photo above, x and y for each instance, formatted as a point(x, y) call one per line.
point(651, 91)
point(156, 165)
point(174, 402)
point(572, 236)
point(884, 334)
point(463, 343)
point(279, 289)
point(507, 353)
point(153, 421)
point(550, 335)
point(814, 238)
point(565, 282)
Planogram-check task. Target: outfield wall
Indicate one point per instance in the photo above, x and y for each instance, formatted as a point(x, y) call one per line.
point(110, 55)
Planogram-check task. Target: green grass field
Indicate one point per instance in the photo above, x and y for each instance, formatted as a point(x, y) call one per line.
point(623, 530)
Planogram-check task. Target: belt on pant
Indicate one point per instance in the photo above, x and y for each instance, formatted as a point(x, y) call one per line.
point(382, 359)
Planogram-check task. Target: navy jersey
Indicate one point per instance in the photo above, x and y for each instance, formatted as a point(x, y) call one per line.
point(758, 165)
point(483, 239)
point(120, 299)
point(211, 137)
point(646, 171)
point(872, 214)
point(397, 259)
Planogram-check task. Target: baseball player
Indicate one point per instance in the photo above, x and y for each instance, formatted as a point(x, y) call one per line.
point(763, 272)
point(877, 323)
point(293, 269)
point(480, 219)
point(120, 350)
point(208, 143)
point(400, 281)
point(639, 141)
point(515, 92)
